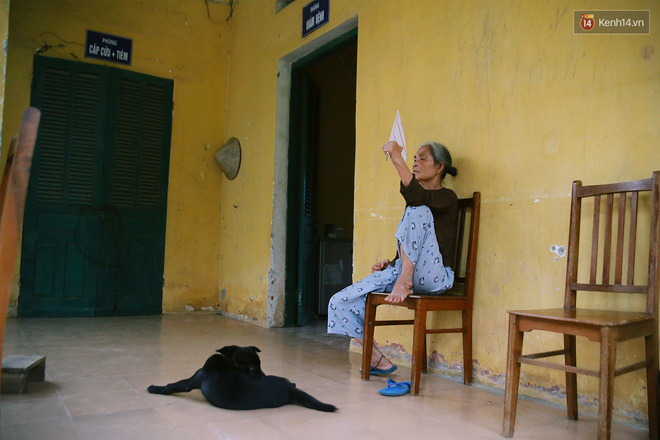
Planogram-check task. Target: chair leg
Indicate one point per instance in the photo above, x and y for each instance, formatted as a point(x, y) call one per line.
point(606, 391)
point(419, 335)
point(570, 358)
point(467, 347)
point(514, 350)
point(425, 367)
point(368, 341)
point(652, 384)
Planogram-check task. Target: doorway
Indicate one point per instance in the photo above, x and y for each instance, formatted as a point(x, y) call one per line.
point(94, 225)
point(321, 169)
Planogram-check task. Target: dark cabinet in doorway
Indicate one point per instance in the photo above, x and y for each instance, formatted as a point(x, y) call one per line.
point(335, 269)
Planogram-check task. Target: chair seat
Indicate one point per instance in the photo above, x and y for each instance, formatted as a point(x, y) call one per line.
point(606, 318)
point(453, 298)
point(456, 292)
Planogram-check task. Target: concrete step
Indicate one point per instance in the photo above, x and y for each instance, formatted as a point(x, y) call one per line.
point(18, 370)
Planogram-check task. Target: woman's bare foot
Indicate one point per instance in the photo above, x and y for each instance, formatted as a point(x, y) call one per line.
point(400, 291)
point(378, 359)
point(382, 364)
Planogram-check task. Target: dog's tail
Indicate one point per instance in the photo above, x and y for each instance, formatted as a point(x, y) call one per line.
point(308, 401)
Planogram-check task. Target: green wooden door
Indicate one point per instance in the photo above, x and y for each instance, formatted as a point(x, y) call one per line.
point(135, 190)
point(307, 262)
point(94, 228)
point(301, 263)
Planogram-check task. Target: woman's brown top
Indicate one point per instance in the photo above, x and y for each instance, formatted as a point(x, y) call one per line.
point(443, 203)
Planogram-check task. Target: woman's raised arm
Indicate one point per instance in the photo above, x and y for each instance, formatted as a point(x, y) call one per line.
point(394, 150)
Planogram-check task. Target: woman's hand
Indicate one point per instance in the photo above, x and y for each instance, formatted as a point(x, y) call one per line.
point(380, 266)
point(393, 149)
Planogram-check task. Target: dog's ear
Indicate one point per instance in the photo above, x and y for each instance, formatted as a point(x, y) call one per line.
point(254, 348)
point(228, 350)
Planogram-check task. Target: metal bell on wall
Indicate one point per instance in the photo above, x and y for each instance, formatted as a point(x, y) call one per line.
point(229, 158)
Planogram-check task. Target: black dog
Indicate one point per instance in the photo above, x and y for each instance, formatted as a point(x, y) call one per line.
point(233, 379)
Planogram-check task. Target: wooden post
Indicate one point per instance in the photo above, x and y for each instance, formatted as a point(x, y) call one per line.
point(12, 205)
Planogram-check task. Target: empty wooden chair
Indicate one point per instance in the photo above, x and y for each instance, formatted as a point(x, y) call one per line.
point(614, 237)
point(459, 298)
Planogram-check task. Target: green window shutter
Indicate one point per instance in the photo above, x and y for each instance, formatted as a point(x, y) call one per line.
point(85, 147)
point(52, 151)
point(70, 142)
point(154, 156)
point(127, 140)
point(141, 142)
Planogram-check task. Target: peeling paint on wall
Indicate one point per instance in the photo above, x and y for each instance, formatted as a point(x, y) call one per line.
point(559, 250)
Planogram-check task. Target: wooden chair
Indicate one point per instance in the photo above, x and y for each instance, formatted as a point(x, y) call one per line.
point(459, 298)
point(603, 326)
point(12, 203)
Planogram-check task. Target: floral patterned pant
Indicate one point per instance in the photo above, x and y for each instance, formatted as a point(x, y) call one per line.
point(416, 237)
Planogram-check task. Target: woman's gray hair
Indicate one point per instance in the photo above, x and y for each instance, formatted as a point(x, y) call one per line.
point(440, 154)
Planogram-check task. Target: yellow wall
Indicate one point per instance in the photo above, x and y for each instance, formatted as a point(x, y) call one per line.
point(171, 39)
point(524, 105)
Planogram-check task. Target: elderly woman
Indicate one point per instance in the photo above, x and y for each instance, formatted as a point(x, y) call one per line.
point(426, 237)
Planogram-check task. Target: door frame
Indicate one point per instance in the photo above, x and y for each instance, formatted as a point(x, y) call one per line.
point(281, 307)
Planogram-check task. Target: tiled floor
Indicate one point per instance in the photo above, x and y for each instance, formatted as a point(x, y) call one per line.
point(98, 370)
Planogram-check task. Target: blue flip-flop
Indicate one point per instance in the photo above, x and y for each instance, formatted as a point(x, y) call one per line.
point(395, 388)
point(380, 372)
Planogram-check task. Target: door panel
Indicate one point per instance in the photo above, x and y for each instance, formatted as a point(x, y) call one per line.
point(60, 228)
point(136, 171)
point(307, 265)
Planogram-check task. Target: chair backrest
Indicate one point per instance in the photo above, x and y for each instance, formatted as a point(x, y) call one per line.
point(612, 251)
point(465, 270)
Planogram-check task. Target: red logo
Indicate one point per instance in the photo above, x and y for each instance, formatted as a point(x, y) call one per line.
point(587, 22)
